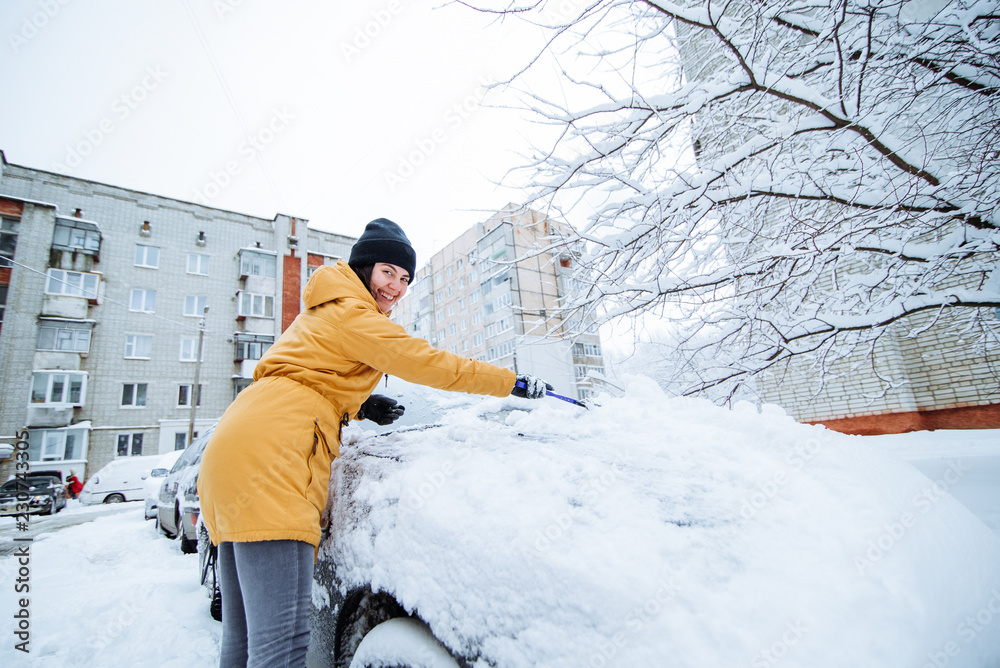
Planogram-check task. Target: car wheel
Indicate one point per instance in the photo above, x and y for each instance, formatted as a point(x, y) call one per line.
point(51, 508)
point(114, 498)
point(188, 546)
point(402, 642)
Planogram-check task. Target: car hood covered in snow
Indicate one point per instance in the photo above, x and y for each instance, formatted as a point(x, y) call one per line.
point(652, 528)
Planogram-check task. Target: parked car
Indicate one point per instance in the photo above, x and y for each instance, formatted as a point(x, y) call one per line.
point(121, 479)
point(40, 492)
point(645, 531)
point(153, 481)
point(178, 507)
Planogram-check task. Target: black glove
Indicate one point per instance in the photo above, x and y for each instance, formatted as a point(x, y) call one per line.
point(381, 410)
point(529, 387)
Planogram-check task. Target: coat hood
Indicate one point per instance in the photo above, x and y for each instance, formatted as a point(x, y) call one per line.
point(337, 282)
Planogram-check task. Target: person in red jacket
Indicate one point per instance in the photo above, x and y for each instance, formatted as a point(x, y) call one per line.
point(73, 485)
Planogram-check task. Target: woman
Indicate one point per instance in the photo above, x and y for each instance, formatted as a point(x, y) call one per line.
point(265, 474)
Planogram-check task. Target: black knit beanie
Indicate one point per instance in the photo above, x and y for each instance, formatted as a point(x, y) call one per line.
point(384, 241)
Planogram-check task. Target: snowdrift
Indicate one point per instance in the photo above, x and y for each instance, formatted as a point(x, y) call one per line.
point(654, 530)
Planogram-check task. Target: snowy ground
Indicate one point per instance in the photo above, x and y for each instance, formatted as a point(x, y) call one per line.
point(112, 592)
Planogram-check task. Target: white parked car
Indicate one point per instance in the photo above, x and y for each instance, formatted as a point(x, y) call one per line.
point(645, 531)
point(121, 479)
point(153, 481)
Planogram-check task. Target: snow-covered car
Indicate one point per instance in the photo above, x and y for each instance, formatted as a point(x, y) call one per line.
point(118, 481)
point(39, 492)
point(645, 531)
point(154, 480)
point(178, 506)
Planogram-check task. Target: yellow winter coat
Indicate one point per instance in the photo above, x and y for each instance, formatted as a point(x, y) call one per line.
point(266, 470)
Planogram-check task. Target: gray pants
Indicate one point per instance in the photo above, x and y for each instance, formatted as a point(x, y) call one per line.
point(266, 600)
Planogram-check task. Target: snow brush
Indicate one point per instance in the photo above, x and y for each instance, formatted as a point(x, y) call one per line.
point(550, 393)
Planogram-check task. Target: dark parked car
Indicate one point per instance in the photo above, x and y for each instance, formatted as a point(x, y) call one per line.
point(41, 492)
point(178, 507)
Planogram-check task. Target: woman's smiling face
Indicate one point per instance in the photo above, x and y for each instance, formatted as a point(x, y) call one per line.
point(388, 285)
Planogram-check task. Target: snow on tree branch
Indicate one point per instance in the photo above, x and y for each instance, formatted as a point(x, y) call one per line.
point(783, 178)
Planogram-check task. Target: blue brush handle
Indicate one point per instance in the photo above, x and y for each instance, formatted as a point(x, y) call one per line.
point(550, 393)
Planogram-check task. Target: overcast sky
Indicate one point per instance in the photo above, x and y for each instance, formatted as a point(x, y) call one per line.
point(338, 112)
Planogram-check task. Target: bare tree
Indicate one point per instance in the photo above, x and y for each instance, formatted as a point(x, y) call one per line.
point(845, 173)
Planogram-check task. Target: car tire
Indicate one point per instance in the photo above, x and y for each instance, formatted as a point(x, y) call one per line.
point(114, 498)
point(402, 642)
point(51, 510)
point(188, 546)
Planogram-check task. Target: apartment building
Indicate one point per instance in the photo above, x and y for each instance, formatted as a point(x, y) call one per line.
point(487, 296)
point(106, 296)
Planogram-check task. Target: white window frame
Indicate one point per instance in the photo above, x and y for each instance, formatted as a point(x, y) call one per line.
point(195, 305)
point(198, 264)
point(254, 305)
point(130, 443)
point(66, 337)
point(188, 344)
point(141, 300)
point(72, 283)
point(61, 382)
point(135, 395)
point(255, 263)
point(134, 344)
point(184, 394)
point(147, 256)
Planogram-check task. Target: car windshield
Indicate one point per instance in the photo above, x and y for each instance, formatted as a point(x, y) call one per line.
point(31, 482)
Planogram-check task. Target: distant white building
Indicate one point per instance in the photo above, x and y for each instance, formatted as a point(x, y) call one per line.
point(104, 294)
point(473, 299)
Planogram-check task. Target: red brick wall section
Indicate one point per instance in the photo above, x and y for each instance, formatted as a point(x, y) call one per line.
point(965, 417)
point(313, 260)
point(11, 208)
point(291, 290)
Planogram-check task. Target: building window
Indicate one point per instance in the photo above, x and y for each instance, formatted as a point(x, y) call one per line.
point(253, 263)
point(58, 388)
point(188, 345)
point(134, 395)
point(195, 305)
point(63, 336)
point(452, 329)
point(440, 334)
point(254, 305)
point(184, 395)
point(57, 445)
point(458, 265)
point(72, 284)
point(474, 298)
point(591, 349)
point(465, 324)
point(240, 384)
point(3, 298)
point(451, 309)
point(130, 445)
point(465, 345)
point(142, 300)
point(8, 239)
point(180, 440)
point(461, 302)
point(477, 317)
point(76, 235)
point(147, 256)
point(138, 346)
point(438, 297)
point(477, 340)
point(197, 264)
point(252, 346)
